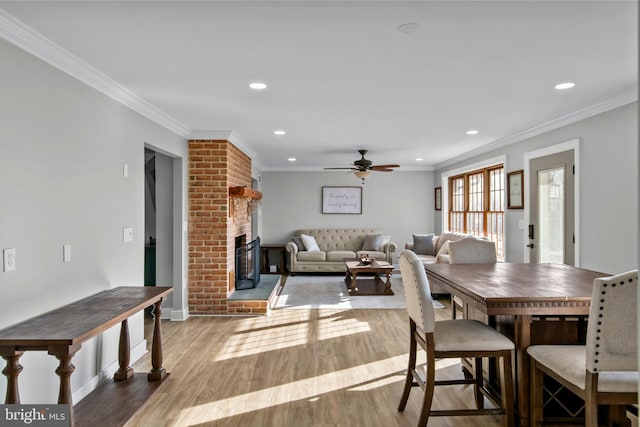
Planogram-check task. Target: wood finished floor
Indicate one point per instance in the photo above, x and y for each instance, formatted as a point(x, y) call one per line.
point(294, 368)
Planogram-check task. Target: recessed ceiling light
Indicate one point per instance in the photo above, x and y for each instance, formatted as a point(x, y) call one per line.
point(257, 85)
point(419, 159)
point(279, 132)
point(565, 85)
point(292, 159)
point(472, 132)
point(409, 27)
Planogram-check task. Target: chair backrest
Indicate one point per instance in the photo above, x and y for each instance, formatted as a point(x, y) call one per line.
point(472, 251)
point(417, 291)
point(612, 343)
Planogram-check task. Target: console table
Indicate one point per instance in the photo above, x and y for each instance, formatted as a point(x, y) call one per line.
point(265, 261)
point(61, 333)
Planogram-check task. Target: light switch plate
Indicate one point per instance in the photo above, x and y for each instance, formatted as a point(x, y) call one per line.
point(66, 253)
point(8, 259)
point(127, 234)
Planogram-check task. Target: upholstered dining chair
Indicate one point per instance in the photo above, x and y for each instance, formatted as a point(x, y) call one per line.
point(605, 370)
point(450, 339)
point(470, 251)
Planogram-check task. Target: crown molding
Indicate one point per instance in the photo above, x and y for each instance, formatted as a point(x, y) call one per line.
point(607, 105)
point(29, 40)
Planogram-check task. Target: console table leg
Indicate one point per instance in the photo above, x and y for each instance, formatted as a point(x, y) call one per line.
point(157, 371)
point(125, 371)
point(64, 371)
point(11, 371)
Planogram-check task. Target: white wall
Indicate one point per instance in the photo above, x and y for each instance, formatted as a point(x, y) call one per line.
point(609, 188)
point(397, 203)
point(62, 150)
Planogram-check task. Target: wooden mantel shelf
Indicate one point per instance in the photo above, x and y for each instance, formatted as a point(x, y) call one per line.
point(245, 192)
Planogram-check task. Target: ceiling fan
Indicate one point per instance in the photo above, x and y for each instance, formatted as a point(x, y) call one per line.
point(362, 167)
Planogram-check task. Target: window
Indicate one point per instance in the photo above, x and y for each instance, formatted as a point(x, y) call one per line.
point(476, 204)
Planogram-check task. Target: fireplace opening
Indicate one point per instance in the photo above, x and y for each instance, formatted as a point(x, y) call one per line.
point(247, 263)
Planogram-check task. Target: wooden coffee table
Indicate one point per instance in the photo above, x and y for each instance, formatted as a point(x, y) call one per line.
point(357, 285)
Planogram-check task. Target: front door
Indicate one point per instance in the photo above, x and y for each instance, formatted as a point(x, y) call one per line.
point(551, 197)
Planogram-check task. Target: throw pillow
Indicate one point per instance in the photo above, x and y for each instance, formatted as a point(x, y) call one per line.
point(310, 243)
point(384, 241)
point(298, 241)
point(423, 244)
point(371, 242)
point(443, 253)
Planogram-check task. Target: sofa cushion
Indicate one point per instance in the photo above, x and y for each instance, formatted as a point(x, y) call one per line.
point(371, 242)
point(310, 243)
point(316, 256)
point(340, 255)
point(423, 244)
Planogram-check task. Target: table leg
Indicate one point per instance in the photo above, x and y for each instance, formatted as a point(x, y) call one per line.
point(125, 371)
point(64, 370)
point(11, 371)
point(354, 283)
point(387, 286)
point(522, 341)
point(157, 371)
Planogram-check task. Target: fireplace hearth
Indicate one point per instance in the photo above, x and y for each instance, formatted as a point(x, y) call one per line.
point(247, 263)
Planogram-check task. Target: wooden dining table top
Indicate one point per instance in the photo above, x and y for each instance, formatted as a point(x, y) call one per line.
point(519, 288)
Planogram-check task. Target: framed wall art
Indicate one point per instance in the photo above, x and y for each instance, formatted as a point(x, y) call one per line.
point(342, 200)
point(515, 190)
point(438, 198)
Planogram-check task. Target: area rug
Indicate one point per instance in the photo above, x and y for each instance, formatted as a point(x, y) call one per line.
point(330, 292)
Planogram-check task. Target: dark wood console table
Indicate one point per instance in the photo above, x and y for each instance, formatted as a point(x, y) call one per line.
point(61, 333)
point(265, 262)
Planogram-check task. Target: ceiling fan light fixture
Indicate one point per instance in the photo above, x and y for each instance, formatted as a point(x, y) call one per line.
point(362, 175)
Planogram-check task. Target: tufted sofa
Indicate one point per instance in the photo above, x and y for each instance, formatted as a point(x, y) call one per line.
point(335, 244)
point(440, 254)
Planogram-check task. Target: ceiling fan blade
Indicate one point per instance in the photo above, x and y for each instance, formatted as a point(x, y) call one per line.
point(340, 168)
point(382, 170)
point(380, 167)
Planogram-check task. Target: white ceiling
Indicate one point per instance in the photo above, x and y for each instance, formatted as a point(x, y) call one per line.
point(341, 76)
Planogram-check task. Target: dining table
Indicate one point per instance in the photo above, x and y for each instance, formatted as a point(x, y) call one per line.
point(530, 303)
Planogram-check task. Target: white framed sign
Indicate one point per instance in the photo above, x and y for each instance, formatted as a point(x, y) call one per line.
point(342, 200)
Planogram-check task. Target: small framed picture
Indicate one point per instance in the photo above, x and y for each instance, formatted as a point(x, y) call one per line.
point(438, 198)
point(515, 190)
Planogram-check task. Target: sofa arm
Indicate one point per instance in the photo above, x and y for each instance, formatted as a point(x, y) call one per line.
point(408, 246)
point(388, 250)
point(292, 250)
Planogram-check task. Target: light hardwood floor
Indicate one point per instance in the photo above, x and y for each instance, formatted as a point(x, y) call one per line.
point(294, 368)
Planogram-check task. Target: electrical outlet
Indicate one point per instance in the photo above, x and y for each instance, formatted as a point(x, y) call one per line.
point(127, 234)
point(9, 259)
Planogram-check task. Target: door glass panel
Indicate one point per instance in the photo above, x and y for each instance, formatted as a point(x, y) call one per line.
point(551, 215)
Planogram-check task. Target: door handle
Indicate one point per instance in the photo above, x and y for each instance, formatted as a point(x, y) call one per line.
point(530, 245)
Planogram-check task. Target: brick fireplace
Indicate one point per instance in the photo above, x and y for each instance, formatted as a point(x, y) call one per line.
point(214, 167)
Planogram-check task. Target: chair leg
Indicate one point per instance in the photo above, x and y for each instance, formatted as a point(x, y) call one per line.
point(408, 382)
point(591, 400)
point(477, 385)
point(507, 391)
point(430, 382)
point(537, 381)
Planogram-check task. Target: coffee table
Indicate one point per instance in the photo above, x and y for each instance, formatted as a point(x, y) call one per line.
point(371, 285)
